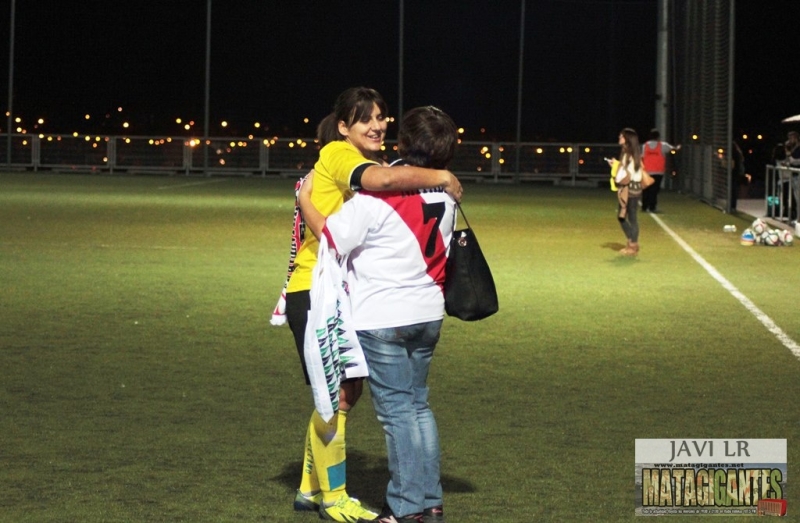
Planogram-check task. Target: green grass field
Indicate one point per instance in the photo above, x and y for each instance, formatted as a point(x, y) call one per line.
point(142, 382)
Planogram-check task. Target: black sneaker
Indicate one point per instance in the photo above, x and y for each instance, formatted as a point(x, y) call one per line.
point(433, 515)
point(386, 516)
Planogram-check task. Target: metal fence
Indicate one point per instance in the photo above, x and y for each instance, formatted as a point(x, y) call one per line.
point(572, 164)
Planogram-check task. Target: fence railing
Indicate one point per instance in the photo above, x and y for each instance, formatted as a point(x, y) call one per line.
point(558, 163)
point(779, 201)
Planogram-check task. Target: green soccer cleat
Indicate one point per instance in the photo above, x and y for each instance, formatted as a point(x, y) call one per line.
point(345, 510)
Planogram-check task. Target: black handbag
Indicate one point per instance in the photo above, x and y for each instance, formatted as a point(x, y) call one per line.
point(469, 290)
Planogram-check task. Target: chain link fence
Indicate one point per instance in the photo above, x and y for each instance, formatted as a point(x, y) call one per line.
point(702, 71)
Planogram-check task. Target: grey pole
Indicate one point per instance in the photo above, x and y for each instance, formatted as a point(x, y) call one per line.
point(661, 69)
point(400, 54)
point(10, 84)
point(208, 88)
point(519, 85)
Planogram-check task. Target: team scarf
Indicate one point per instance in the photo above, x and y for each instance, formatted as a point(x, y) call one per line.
point(298, 233)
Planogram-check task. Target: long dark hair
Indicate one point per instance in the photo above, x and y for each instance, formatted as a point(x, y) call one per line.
point(631, 147)
point(353, 105)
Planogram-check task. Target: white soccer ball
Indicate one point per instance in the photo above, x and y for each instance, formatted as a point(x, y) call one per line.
point(772, 237)
point(759, 226)
point(787, 238)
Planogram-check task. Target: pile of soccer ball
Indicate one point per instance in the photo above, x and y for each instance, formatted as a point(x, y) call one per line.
point(760, 234)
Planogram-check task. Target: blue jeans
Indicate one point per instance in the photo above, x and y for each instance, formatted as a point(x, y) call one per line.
point(399, 359)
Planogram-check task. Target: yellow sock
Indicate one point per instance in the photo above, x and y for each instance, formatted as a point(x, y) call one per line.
point(309, 483)
point(329, 456)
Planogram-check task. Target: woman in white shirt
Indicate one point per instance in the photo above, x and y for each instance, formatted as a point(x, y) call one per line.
point(629, 182)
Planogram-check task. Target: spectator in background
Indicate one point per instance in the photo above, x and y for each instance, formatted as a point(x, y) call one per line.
point(738, 173)
point(628, 178)
point(791, 158)
point(654, 157)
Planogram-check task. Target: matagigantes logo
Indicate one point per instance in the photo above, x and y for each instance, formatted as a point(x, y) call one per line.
point(710, 476)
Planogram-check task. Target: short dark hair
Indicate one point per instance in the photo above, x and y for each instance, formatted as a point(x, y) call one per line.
point(427, 137)
point(654, 134)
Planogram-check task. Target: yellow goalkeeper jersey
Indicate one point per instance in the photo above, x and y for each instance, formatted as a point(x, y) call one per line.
point(337, 174)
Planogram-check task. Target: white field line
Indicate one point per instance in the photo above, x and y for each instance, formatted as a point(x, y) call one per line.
point(204, 182)
point(765, 320)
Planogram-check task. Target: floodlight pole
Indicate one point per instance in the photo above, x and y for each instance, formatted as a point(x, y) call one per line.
point(519, 85)
point(208, 88)
point(662, 55)
point(400, 63)
point(10, 84)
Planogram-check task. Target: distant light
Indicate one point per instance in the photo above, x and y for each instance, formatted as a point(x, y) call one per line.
point(75, 134)
point(460, 130)
point(257, 125)
point(87, 117)
point(569, 149)
point(502, 161)
point(587, 150)
point(119, 109)
point(483, 130)
point(224, 123)
point(562, 150)
point(695, 137)
point(760, 137)
point(305, 120)
point(125, 125)
point(187, 126)
point(40, 121)
point(501, 148)
point(18, 119)
point(744, 137)
point(488, 155)
point(178, 120)
point(539, 150)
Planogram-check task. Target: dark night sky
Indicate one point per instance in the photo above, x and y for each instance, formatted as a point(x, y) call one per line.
point(589, 64)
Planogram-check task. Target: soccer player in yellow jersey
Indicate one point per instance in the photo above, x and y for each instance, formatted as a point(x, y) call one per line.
point(352, 137)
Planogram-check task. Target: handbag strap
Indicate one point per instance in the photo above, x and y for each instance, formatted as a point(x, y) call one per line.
point(458, 205)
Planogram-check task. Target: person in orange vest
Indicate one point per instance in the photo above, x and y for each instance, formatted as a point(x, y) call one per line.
point(654, 158)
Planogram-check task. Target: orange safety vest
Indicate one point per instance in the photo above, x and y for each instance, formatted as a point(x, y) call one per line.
point(654, 159)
